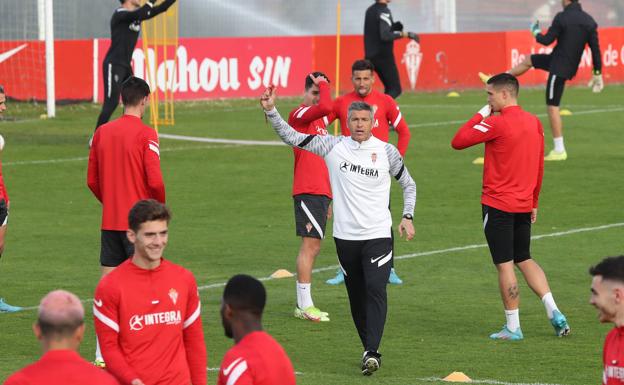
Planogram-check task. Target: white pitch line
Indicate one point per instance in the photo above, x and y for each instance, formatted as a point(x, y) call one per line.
point(83, 158)
point(226, 141)
point(586, 112)
point(415, 255)
point(493, 382)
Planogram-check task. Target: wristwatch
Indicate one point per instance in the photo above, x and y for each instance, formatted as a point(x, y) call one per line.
point(409, 217)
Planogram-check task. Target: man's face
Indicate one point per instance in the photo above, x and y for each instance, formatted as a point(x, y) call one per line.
point(564, 3)
point(135, 3)
point(360, 125)
point(311, 96)
point(2, 103)
point(496, 97)
point(606, 296)
point(363, 82)
point(150, 241)
point(225, 321)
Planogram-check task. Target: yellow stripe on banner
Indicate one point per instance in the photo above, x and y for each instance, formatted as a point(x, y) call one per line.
point(337, 80)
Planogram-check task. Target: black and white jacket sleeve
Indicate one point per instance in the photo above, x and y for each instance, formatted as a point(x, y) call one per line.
point(319, 145)
point(402, 175)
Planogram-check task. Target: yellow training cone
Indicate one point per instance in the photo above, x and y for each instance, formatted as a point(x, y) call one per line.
point(565, 112)
point(282, 273)
point(452, 94)
point(457, 377)
point(479, 160)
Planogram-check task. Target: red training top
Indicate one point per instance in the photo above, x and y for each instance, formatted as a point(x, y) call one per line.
point(613, 358)
point(61, 367)
point(311, 176)
point(149, 326)
point(386, 112)
point(124, 167)
point(257, 359)
point(3, 192)
point(514, 157)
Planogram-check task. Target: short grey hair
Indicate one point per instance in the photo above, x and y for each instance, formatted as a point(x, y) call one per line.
point(360, 106)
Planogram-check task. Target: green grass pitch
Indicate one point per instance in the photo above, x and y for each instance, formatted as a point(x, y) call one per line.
point(233, 214)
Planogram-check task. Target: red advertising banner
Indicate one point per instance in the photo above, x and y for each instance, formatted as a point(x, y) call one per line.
point(226, 67)
point(208, 68)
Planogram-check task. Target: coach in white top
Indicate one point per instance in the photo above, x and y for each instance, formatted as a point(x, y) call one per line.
point(360, 169)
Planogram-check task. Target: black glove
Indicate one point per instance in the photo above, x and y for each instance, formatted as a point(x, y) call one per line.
point(397, 26)
point(152, 1)
point(414, 37)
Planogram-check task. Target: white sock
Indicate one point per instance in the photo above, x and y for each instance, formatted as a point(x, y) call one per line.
point(513, 319)
point(98, 352)
point(559, 147)
point(304, 297)
point(549, 304)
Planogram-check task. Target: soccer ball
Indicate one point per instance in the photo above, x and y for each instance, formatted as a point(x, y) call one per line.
point(1, 143)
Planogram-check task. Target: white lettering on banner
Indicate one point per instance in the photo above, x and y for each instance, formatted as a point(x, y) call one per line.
point(191, 76)
point(265, 73)
point(586, 59)
point(610, 57)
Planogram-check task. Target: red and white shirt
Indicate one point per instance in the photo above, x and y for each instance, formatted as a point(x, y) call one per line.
point(124, 168)
point(310, 175)
point(613, 358)
point(3, 191)
point(61, 367)
point(514, 157)
point(386, 112)
point(149, 326)
point(257, 359)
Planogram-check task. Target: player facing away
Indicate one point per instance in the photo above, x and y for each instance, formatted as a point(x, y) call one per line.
point(386, 113)
point(311, 190)
point(60, 329)
point(380, 32)
point(4, 212)
point(256, 358)
point(573, 29)
point(125, 27)
point(607, 295)
point(512, 179)
point(360, 168)
point(124, 167)
point(147, 312)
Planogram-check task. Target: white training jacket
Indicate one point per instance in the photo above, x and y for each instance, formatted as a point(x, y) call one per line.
point(360, 179)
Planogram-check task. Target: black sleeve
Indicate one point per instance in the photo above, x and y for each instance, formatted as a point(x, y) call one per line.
point(594, 45)
point(553, 32)
point(385, 29)
point(147, 11)
point(164, 6)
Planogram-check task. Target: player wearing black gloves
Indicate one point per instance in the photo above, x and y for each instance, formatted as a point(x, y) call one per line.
point(380, 32)
point(125, 27)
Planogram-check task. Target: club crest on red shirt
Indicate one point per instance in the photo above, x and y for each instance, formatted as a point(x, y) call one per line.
point(173, 294)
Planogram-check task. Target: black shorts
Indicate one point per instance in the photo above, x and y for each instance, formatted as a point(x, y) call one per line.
point(508, 235)
point(115, 249)
point(4, 213)
point(311, 215)
point(555, 83)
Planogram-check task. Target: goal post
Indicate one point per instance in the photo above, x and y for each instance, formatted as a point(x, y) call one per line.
point(160, 44)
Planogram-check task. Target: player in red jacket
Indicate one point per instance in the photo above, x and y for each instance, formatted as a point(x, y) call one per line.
point(387, 114)
point(512, 179)
point(256, 358)
point(4, 212)
point(608, 297)
point(311, 190)
point(147, 310)
point(124, 167)
point(60, 329)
